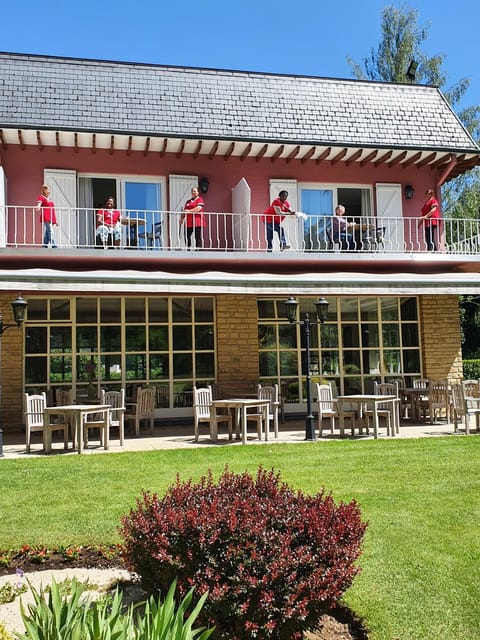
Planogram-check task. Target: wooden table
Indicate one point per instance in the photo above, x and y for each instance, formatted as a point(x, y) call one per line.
point(413, 398)
point(240, 405)
point(374, 401)
point(79, 413)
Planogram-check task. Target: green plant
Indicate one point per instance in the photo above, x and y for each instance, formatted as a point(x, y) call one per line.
point(6, 557)
point(38, 554)
point(71, 553)
point(471, 369)
point(4, 634)
point(54, 615)
point(67, 586)
point(9, 591)
point(161, 621)
point(272, 558)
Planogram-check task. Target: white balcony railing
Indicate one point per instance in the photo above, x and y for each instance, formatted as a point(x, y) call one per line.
point(21, 226)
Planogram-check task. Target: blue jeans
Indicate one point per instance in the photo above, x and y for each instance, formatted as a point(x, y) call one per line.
point(48, 235)
point(347, 242)
point(271, 227)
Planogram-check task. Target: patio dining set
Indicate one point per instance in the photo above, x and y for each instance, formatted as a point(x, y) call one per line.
point(390, 404)
point(82, 421)
point(78, 418)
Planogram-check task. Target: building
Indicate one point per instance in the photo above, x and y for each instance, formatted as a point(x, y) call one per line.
point(153, 312)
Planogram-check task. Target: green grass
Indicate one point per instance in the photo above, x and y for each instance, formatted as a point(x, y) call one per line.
point(421, 570)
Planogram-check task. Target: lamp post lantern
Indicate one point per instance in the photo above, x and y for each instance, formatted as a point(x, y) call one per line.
point(321, 308)
point(19, 308)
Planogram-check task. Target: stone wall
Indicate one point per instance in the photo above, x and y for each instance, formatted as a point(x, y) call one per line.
point(11, 371)
point(237, 342)
point(440, 335)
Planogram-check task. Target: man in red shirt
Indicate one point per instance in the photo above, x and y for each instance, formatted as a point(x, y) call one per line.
point(273, 218)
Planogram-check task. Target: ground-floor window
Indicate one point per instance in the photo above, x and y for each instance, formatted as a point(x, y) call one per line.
point(364, 339)
point(88, 343)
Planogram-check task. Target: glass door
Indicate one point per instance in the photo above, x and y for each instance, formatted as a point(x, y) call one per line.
point(143, 203)
point(318, 205)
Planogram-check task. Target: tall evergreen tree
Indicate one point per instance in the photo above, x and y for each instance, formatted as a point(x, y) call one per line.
point(400, 44)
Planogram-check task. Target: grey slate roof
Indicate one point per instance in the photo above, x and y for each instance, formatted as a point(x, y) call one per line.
point(89, 95)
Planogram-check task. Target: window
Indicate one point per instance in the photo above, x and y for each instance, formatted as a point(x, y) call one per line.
point(364, 339)
point(114, 342)
point(142, 197)
point(319, 201)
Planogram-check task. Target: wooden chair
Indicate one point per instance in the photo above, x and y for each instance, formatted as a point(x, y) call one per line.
point(385, 411)
point(464, 409)
point(116, 400)
point(98, 422)
point(143, 409)
point(328, 408)
point(65, 397)
point(202, 412)
point(34, 421)
point(471, 388)
point(257, 415)
point(438, 400)
point(270, 393)
point(421, 401)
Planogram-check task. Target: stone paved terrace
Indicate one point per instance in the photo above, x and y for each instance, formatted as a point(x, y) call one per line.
point(181, 437)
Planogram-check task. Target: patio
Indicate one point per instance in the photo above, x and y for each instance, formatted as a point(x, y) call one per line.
point(182, 437)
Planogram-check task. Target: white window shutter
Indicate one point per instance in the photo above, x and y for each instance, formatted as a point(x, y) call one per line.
point(3, 209)
point(277, 185)
point(390, 215)
point(63, 191)
point(179, 191)
point(292, 226)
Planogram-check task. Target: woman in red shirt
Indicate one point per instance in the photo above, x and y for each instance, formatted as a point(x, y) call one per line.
point(194, 219)
point(430, 219)
point(48, 217)
point(108, 230)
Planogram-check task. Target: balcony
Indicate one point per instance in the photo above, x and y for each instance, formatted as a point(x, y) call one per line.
point(154, 233)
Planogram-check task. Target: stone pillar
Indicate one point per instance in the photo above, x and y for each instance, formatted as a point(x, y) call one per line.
point(441, 338)
point(11, 371)
point(237, 341)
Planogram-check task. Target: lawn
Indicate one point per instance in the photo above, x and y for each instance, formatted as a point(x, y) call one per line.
point(421, 498)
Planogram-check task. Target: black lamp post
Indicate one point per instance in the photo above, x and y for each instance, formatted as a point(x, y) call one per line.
point(321, 306)
point(19, 307)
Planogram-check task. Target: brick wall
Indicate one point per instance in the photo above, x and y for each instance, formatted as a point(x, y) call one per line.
point(441, 342)
point(237, 341)
point(11, 371)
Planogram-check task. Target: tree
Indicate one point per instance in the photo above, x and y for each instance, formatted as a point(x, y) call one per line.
point(401, 43)
point(402, 39)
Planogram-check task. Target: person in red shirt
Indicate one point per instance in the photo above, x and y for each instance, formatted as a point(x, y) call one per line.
point(430, 219)
point(194, 219)
point(108, 232)
point(273, 218)
point(46, 206)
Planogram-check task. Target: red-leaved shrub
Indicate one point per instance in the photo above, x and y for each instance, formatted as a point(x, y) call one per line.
point(273, 559)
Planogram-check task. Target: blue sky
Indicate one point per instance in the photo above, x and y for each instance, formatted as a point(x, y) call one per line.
point(306, 37)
